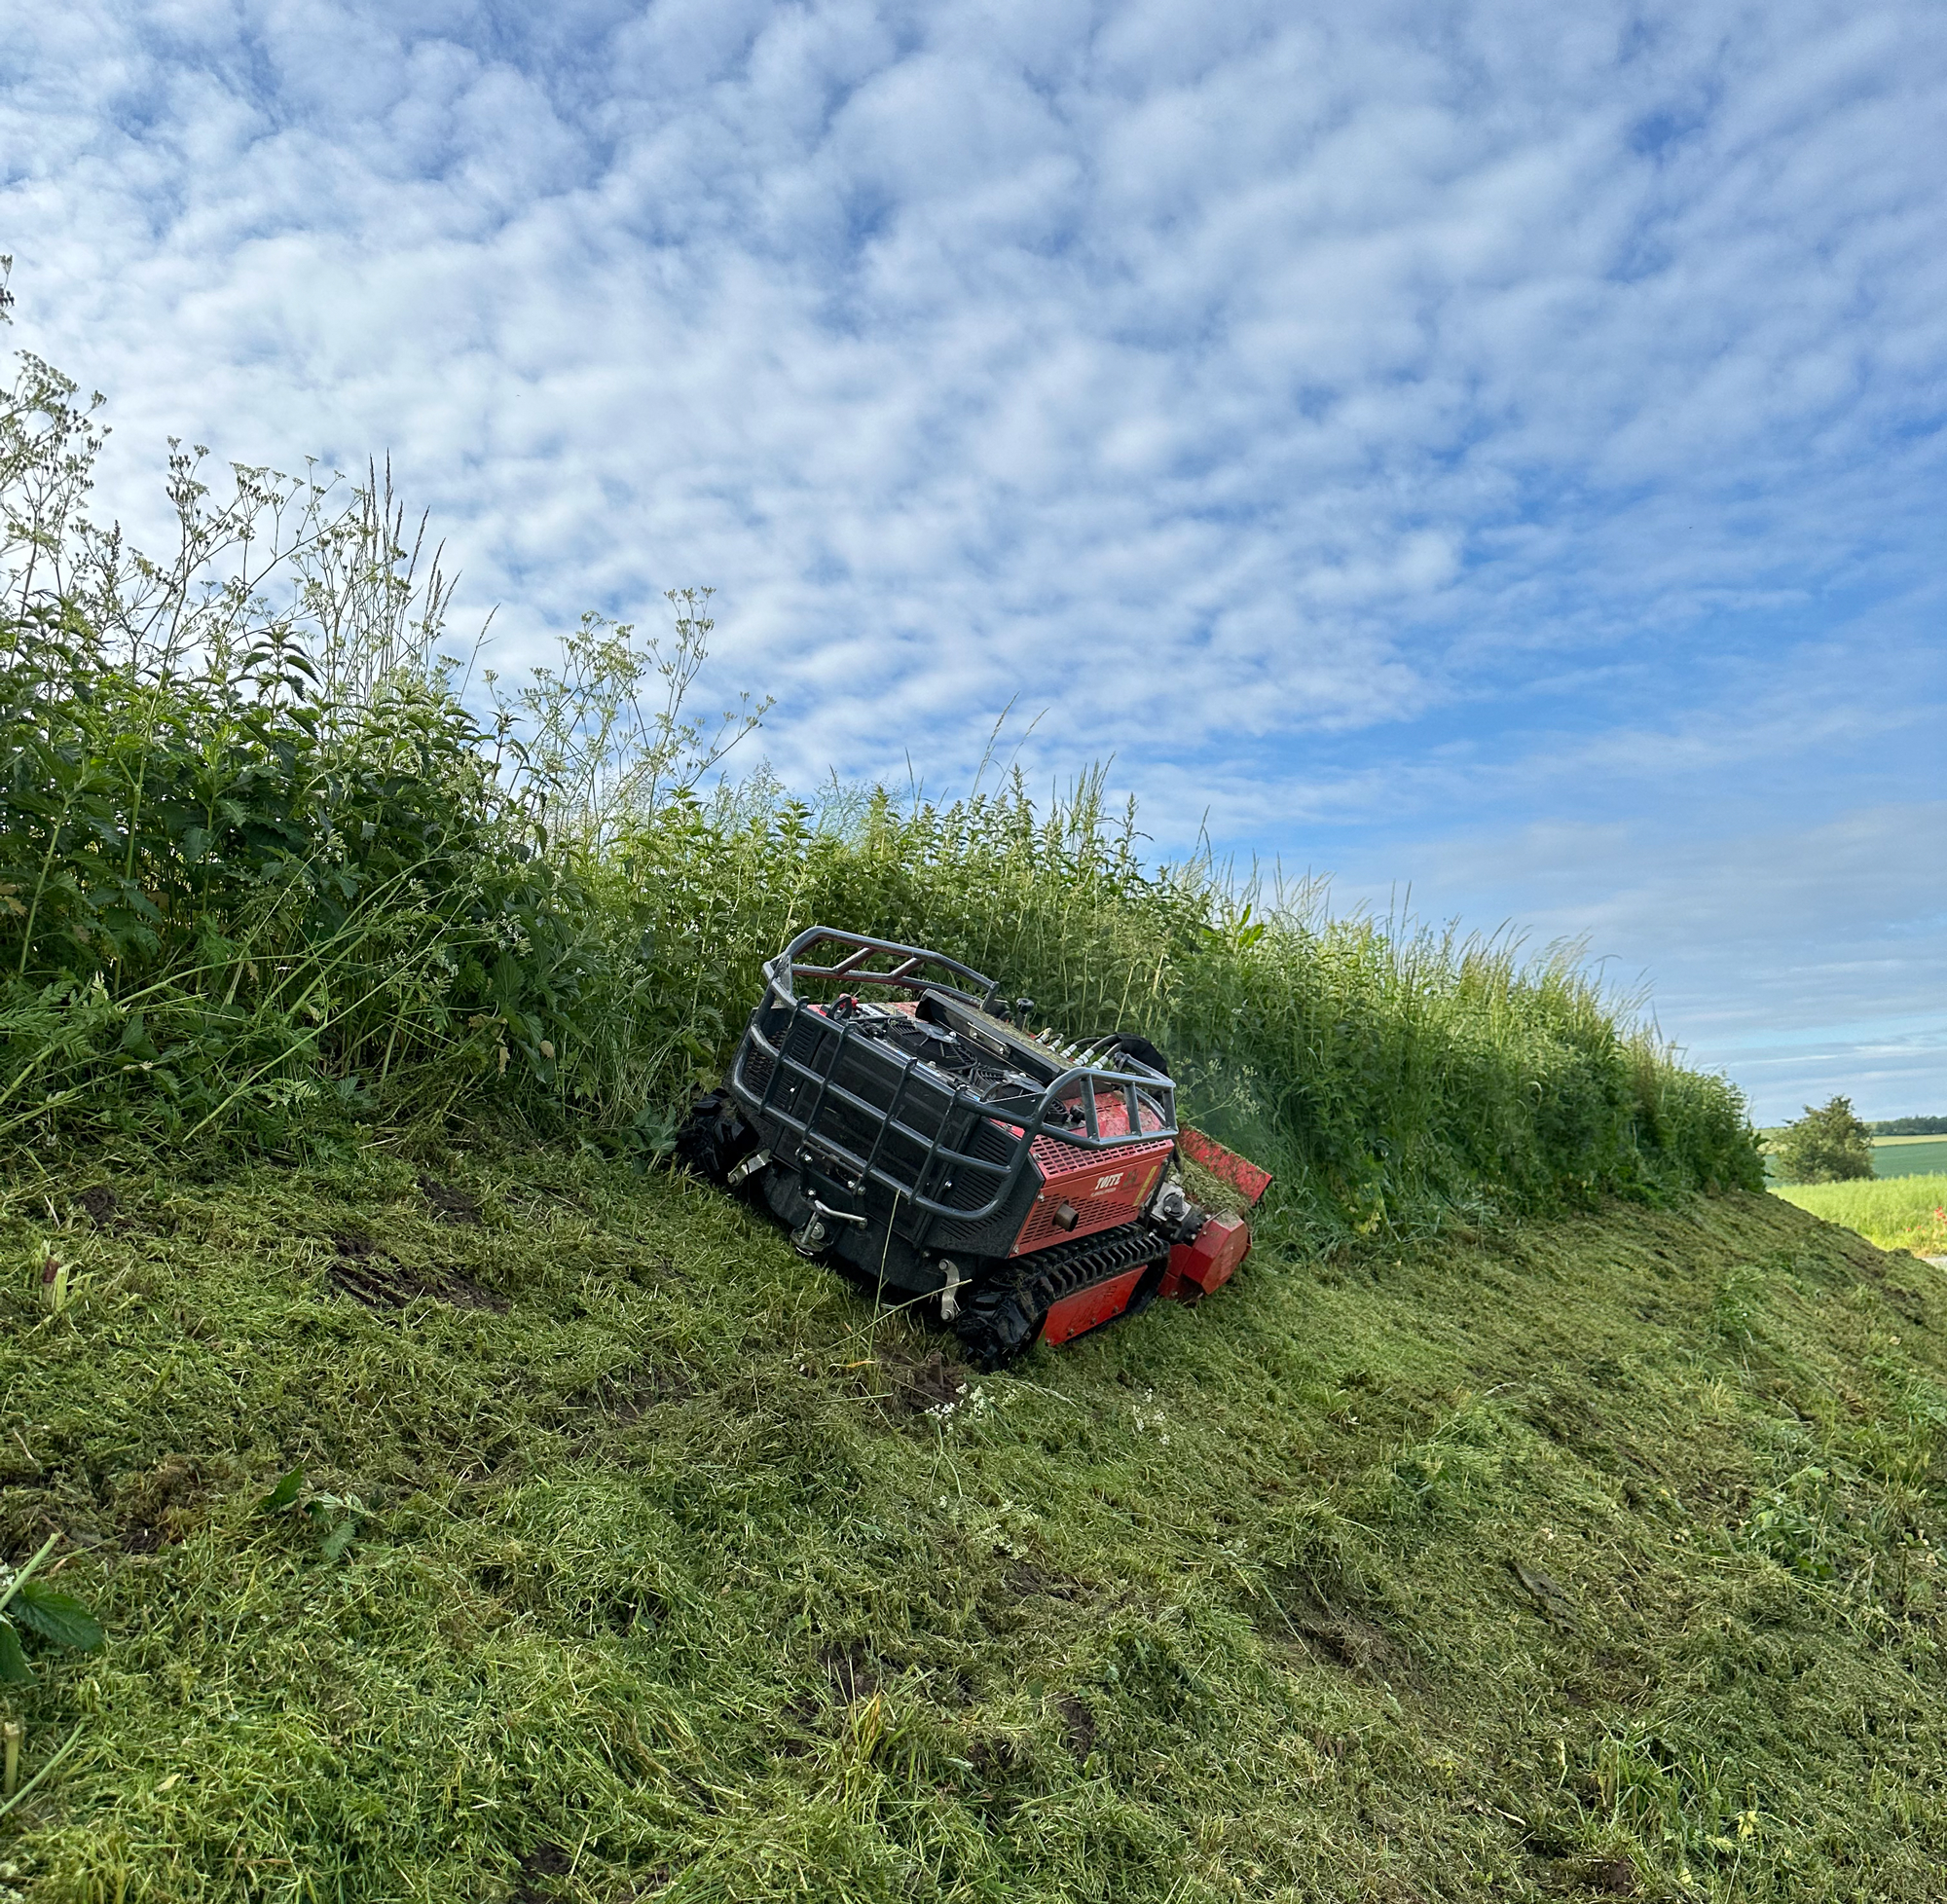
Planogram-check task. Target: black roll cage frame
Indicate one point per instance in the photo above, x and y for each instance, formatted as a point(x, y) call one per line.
point(967, 1008)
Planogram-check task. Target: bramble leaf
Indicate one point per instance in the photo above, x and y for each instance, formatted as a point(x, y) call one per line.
point(57, 1616)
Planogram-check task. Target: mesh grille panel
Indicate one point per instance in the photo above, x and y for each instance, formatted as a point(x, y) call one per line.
point(1069, 1169)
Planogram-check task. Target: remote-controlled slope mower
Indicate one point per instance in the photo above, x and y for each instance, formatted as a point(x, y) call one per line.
point(898, 1118)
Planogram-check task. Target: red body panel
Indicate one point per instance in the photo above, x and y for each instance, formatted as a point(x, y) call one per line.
point(1089, 1309)
point(1240, 1173)
point(1208, 1263)
point(1104, 1188)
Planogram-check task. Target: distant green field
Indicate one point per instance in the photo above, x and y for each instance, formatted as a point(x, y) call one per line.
point(1898, 1213)
point(1892, 1157)
point(1909, 1156)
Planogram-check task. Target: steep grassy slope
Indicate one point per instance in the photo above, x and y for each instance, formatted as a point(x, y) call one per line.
point(1593, 1556)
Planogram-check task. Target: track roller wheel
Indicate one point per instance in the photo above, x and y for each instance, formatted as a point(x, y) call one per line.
point(1005, 1318)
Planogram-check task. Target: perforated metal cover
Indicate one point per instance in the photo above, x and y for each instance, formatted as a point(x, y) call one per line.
point(1075, 1180)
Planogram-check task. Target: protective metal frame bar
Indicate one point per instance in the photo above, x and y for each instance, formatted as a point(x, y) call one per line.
point(941, 1160)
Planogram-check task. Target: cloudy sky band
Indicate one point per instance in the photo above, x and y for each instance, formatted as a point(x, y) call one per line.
point(1486, 449)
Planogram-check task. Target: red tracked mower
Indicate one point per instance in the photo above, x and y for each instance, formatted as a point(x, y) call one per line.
point(899, 1119)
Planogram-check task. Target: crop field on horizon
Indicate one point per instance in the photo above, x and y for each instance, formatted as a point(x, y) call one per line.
point(1909, 1156)
point(1892, 1157)
point(1898, 1213)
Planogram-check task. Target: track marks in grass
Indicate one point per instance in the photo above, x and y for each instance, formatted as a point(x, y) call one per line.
point(378, 1279)
point(581, 1605)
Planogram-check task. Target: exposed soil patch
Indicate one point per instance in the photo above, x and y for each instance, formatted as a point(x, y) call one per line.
point(802, 1722)
point(1614, 1877)
point(1079, 1723)
point(538, 1869)
point(450, 1205)
point(1023, 1580)
point(373, 1277)
point(851, 1669)
point(464, 1293)
point(98, 1204)
point(1342, 1636)
point(993, 1758)
point(920, 1385)
point(1549, 1599)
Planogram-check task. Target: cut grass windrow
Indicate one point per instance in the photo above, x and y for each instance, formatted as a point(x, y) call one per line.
point(620, 1554)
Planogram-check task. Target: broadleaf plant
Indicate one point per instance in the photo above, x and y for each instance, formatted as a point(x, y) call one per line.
point(44, 1610)
point(334, 1518)
point(284, 1493)
point(57, 1615)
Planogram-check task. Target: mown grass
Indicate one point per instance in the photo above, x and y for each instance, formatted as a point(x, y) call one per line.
point(1591, 1555)
point(1898, 1213)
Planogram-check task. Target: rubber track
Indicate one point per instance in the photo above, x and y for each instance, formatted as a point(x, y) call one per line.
point(1001, 1321)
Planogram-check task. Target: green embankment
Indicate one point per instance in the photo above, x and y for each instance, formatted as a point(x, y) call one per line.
point(1592, 1554)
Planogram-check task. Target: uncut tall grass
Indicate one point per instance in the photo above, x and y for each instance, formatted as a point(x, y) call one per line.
point(266, 877)
point(1898, 1213)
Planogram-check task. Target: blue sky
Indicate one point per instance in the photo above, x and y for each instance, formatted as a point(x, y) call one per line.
point(1490, 454)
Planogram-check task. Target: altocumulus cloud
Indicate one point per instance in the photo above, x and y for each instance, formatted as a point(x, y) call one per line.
point(1497, 447)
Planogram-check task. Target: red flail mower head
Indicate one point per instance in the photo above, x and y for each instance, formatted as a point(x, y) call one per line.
point(902, 1122)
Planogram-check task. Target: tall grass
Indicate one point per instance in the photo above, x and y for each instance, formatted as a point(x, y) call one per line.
point(1396, 1073)
point(264, 873)
point(1898, 1213)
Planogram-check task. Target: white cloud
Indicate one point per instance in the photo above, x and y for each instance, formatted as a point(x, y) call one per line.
point(1384, 420)
point(1804, 960)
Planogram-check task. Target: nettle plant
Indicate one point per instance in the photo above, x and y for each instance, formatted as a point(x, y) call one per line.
point(29, 1605)
point(261, 866)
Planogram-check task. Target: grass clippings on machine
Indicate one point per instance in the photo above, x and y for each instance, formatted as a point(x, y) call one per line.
point(899, 1119)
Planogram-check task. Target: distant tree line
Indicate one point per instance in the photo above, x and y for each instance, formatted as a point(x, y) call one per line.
point(1909, 1127)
